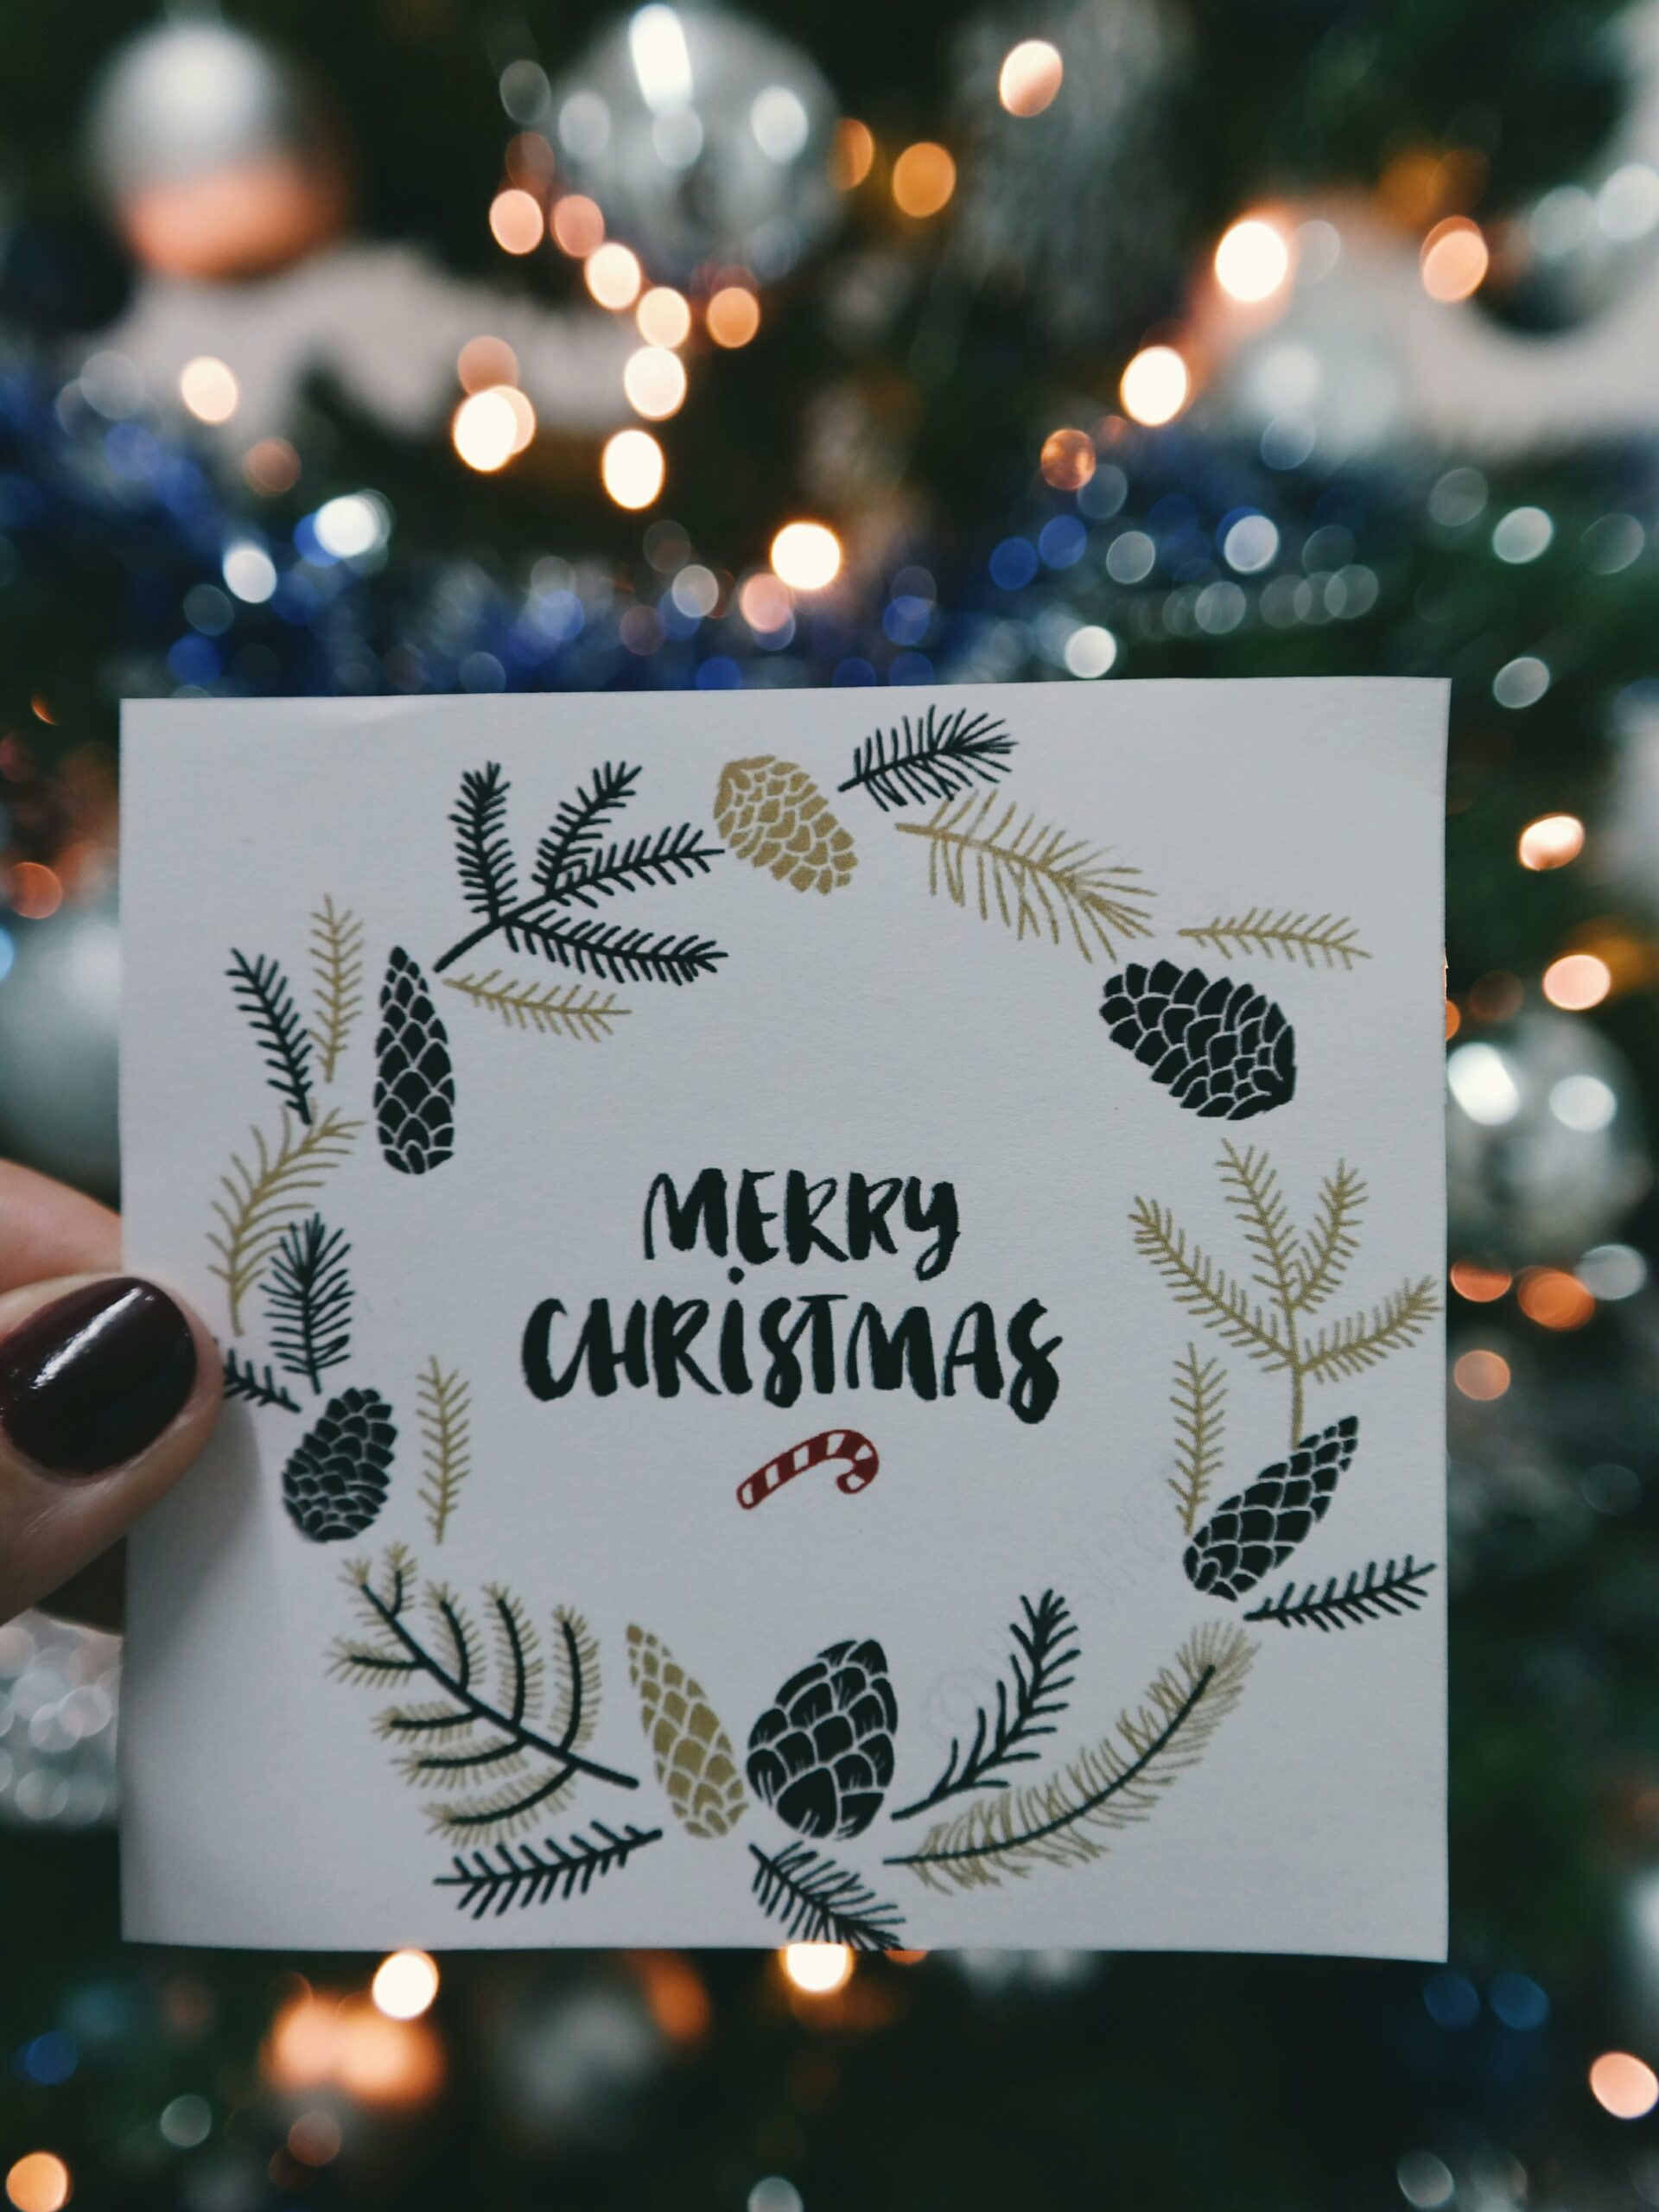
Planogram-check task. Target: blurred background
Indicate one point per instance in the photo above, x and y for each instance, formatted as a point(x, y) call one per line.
point(445, 345)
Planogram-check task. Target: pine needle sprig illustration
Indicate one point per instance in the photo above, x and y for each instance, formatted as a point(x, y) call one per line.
point(573, 1012)
point(258, 1385)
point(1046, 1648)
point(1265, 1316)
point(336, 982)
point(671, 856)
point(262, 991)
point(442, 1407)
point(1063, 1822)
point(492, 1762)
point(522, 1875)
point(1035, 880)
point(1199, 1398)
point(1362, 1598)
point(260, 1197)
point(489, 879)
point(1311, 938)
point(939, 756)
point(308, 1294)
point(621, 956)
point(574, 833)
point(818, 1902)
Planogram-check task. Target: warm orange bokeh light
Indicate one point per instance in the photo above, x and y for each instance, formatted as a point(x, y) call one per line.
point(1479, 1283)
point(1454, 259)
point(1030, 78)
point(35, 891)
point(404, 1985)
point(853, 154)
point(1252, 260)
point(1454, 1019)
point(485, 361)
point(576, 225)
point(1626, 2087)
point(1551, 841)
point(733, 315)
point(486, 428)
point(516, 220)
point(270, 466)
point(806, 556)
point(613, 276)
point(1554, 1299)
point(1067, 459)
point(208, 389)
point(663, 316)
point(318, 2041)
point(654, 380)
point(632, 468)
point(1577, 982)
point(1482, 1374)
point(313, 2138)
point(38, 2182)
point(818, 1969)
point(1155, 386)
point(924, 178)
point(764, 603)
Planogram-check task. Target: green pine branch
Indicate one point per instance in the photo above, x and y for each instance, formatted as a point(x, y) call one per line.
point(262, 991)
point(309, 1297)
point(943, 754)
point(1362, 1598)
point(258, 1385)
point(524, 1876)
point(818, 1902)
point(1046, 1647)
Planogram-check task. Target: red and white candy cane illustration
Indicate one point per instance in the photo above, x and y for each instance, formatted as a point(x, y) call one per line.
point(860, 1465)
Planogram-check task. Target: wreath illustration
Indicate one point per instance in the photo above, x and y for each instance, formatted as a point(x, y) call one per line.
point(491, 1708)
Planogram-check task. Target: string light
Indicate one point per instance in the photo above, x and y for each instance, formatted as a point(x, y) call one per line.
point(1029, 76)
point(818, 1969)
point(1454, 259)
point(853, 154)
point(1482, 1374)
point(632, 468)
point(663, 316)
point(1551, 841)
point(1067, 459)
point(516, 220)
point(765, 604)
point(483, 361)
point(576, 225)
point(270, 466)
point(806, 556)
point(314, 2139)
point(1554, 1299)
point(404, 1985)
point(38, 2182)
point(1577, 982)
point(733, 315)
point(613, 276)
point(1154, 386)
point(654, 380)
point(484, 429)
point(1252, 260)
point(1479, 1283)
point(208, 389)
point(924, 178)
point(1623, 2086)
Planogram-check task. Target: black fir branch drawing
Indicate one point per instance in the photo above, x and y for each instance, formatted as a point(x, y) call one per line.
point(1360, 1598)
point(258, 1385)
point(818, 1902)
point(1331, 939)
point(1046, 1648)
point(1062, 1821)
point(521, 1875)
point(492, 1762)
point(934, 758)
point(262, 991)
point(308, 1297)
point(577, 868)
point(259, 1197)
point(336, 982)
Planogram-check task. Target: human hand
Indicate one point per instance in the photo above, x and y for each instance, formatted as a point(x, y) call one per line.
point(109, 1389)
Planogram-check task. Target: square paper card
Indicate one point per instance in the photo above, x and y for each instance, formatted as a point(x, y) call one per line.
point(830, 1314)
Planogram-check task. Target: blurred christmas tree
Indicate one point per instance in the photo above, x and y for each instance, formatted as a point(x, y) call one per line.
point(450, 349)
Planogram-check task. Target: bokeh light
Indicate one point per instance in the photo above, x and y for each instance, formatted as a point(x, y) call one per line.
point(576, 225)
point(1154, 386)
point(853, 154)
point(806, 556)
point(208, 389)
point(1067, 459)
point(249, 571)
point(733, 315)
point(404, 1985)
point(38, 2182)
point(314, 2139)
point(1252, 260)
point(1029, 76)
point(663, 316)
point(654, 380)
point(632, 468)
point(1454, 259)
point(1091, 650)
point(1479, 1282)
point(485, 361)
point(270, 466)
point(1577, 982)
point(1554, 1299)
point(818, 1969)
point(924, 178)
point(1624, 2085)
point(1551, 841)
point(765, 604)
point(516, 220)
point(484, 429)
point(34, 891)
point(613, 276)
point(1482, 1374)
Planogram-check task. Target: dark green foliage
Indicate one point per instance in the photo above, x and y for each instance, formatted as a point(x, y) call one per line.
point(940, 755)
point(258, 1385)
point(1047, 1648)
point(489, 881)
point(522, 1875)
point(308, 1293)
point(820, 1902)
point(1362, 1598)
point(262, 992)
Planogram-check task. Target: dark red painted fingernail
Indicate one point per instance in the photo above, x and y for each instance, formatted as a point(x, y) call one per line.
point(89, 1381)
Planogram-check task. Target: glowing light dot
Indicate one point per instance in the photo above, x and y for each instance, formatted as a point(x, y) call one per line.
point(516, 220)
point(1478, 1283)
point(1454, 260)
point(314, 2139)
point(1067, 459)
point(1622, 2085)
point(485, 361)
point(1482, 1374)
point(350, 525)
point(1252, 260)
point(576, 224)
point(853, 154)
point(38, 2182)
point(733, 315)
point(632, 468)
point(485, 430)
point(663, 316)
point(1091, 650)
point(654, 380)
point(35, 891)
point(270, 466)
point(765, 603)
point(1577, 982)
point(404, 1985)
point(1551, 841)
point(818, 1969)
point(1154, 386)
point(806, 556)
point(208, 389)
point(613, 276)
point(249, 571)
point(1029, 76)
point(1554, 1299)
point(924, 178)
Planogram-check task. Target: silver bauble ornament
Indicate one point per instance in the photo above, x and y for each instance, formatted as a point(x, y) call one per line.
point(1546, 1154)
point(58, 1009)
point(704, 138)
point(58, 1689)
point(216, 156)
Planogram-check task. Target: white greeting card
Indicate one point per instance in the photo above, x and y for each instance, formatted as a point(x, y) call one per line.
point(831, 1315)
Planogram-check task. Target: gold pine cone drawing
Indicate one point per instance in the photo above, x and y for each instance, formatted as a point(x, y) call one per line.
point(695, 1760)
point(773, 815)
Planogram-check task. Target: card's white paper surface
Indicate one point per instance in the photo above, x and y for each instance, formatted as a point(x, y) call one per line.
point(960, 1006)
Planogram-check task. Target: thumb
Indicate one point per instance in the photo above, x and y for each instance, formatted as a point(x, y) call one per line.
point(109, 1388)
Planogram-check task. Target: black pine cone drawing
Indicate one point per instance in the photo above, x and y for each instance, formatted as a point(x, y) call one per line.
point(820, 1754)
point(1224, 1049)
point(414, 1081)
point(335, 1483)
point(1248, 1536)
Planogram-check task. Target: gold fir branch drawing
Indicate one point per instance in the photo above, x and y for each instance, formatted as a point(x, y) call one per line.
point(442, 1405)
point(1033, 879)
point(1314, 939)
point(336, 982)
point(262, 1195)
